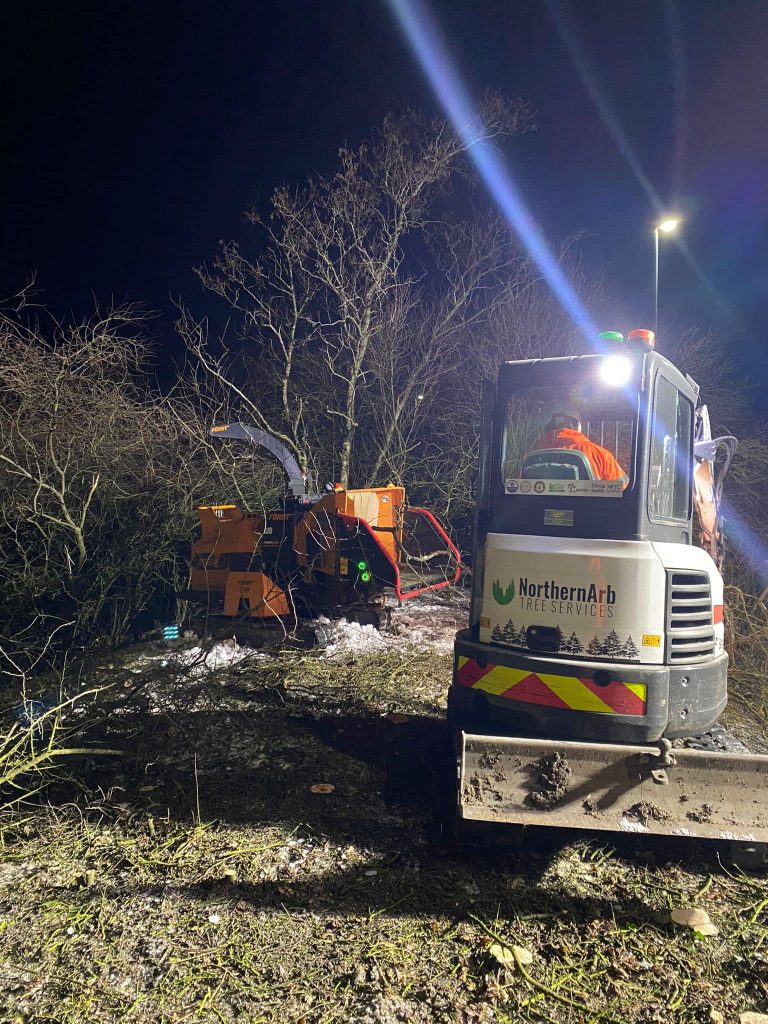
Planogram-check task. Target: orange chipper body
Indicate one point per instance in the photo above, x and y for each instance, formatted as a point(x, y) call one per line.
point(333, 554)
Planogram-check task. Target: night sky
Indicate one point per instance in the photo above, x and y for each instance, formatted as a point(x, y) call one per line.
point(136, 133)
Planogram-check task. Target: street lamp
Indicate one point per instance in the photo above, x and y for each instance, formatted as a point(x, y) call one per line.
point(668, 226)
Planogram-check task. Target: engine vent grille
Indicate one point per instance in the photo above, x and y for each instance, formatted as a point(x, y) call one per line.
point(690, 629)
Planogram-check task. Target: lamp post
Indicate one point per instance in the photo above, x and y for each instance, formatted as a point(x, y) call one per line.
point(668, 226)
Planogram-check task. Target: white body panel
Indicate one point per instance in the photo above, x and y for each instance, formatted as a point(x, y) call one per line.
point(607, 597)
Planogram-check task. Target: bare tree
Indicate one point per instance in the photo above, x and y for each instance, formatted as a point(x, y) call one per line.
point(99, 478)
point(340, 273)
point(428, 329)
point(513, 316)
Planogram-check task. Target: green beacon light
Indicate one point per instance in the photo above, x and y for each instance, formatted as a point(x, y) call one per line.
point(611, 337)
point(365, 577)
point(362, 566)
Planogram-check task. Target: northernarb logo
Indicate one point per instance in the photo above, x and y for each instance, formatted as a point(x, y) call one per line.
point(551, 589)
point(503, 596)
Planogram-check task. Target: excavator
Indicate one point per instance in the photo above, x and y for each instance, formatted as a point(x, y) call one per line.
point(282, 574)
point(588, 684)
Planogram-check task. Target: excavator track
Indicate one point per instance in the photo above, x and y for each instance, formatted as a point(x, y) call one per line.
point(715, 739)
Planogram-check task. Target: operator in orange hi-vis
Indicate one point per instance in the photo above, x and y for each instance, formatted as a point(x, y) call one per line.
point(563, 430)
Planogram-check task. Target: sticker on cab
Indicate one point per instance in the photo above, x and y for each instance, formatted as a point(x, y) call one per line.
point(558, 517)
point(651, 640)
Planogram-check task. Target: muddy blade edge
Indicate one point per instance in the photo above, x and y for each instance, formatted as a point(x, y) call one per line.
point(611, 787)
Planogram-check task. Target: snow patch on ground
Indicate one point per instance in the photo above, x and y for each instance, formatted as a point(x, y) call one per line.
point(418, 623)
point(196, 662)
point(352, 638)
point(167, 676)
point(423, 621)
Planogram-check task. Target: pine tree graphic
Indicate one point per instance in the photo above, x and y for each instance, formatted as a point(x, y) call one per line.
point(496, 635)
point(612, 646)
point(509, 633)
point(572, 645)
point(521, 638)
point(628, 649)
point(595, 648)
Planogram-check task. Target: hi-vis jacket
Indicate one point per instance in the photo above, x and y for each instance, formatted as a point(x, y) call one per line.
point(603, 463)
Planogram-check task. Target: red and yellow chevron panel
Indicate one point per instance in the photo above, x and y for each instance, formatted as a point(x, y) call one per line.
point(616, 698)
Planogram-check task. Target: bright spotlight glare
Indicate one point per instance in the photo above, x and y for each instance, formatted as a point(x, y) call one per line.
point(669, 225)
point(426, 40)
point(615, 370)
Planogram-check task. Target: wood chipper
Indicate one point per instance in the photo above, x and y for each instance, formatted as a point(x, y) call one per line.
point(269, 575)
point(595, 650)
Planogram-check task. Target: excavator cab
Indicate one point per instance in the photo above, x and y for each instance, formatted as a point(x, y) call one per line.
point(596, 634)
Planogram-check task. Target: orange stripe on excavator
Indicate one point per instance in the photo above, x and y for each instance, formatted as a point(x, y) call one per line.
point(572, 692)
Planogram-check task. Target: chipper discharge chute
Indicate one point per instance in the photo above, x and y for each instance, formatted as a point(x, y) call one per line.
point(271, 575)
point(586, 688)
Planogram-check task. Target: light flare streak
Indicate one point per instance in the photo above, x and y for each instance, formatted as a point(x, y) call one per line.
point(426, 41)
point(742, 537)
point(589, 78)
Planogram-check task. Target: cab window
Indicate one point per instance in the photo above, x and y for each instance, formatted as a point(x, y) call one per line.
point(669, 483)
point(574, 441)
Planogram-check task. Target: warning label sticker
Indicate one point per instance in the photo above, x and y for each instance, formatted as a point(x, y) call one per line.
point(558, 517)
point(566, 488)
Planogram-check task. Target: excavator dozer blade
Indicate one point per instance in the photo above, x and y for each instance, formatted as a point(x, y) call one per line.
point(614, 788)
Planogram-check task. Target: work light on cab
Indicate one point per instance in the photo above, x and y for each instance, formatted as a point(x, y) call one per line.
point(615, 371)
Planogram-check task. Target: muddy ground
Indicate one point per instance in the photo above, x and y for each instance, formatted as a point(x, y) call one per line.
point(272, 846)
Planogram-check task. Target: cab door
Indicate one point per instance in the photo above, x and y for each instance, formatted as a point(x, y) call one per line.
point(670, 462)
